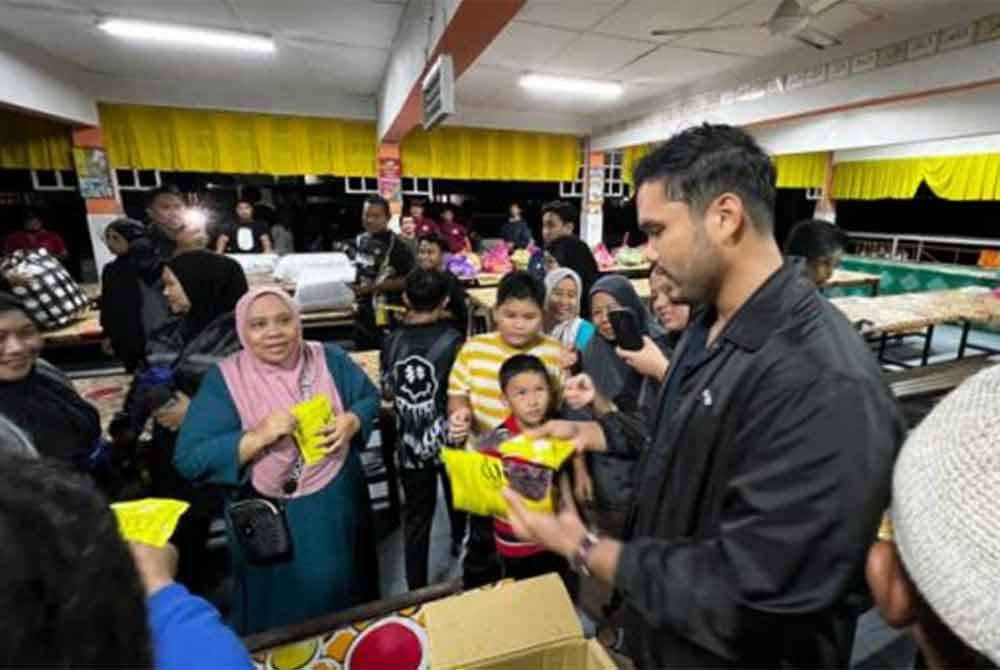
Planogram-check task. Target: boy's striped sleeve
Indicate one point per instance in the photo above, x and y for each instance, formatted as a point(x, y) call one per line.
point(458, 380)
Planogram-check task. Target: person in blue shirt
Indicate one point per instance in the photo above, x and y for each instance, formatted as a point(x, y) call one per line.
point(74, 594)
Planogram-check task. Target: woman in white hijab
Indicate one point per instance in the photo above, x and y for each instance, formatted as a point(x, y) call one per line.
point(563, 290)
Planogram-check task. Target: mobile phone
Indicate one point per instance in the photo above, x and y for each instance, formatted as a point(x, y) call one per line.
point(626, 328)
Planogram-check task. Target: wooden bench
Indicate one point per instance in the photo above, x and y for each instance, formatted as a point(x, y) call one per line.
point(936, 378)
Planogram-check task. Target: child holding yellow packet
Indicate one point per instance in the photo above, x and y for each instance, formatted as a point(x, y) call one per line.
point(530, 396)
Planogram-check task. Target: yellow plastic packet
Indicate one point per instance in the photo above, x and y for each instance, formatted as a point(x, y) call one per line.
point(527, 466)
point(312, 415)
point(150, 520)
point(477, 482)
point(550, 453)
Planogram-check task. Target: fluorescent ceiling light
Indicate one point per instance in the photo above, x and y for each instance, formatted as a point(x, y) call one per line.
point(544, 82)
point(175, 34)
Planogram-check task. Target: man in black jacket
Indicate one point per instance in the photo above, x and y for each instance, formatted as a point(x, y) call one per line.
point(769, 465)
point(568, 250)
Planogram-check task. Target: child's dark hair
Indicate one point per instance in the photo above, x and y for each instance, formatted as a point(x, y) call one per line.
point(519, 364)
point(521, 285)
point(378, 201)
point(434, 238)
point(425, 290)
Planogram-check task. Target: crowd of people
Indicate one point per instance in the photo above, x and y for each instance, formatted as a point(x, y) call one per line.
point(731, 466)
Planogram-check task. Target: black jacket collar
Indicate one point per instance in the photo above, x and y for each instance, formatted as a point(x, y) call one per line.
point(763, 313)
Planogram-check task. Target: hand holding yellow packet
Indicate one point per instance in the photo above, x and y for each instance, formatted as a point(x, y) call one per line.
point(313, 415)
point(150, 520)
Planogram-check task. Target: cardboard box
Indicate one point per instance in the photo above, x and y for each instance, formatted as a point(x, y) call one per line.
point(527, 625)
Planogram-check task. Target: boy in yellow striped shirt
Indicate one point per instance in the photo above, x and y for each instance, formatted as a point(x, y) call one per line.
point(475, 399)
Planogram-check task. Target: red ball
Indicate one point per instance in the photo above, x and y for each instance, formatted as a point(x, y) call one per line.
point(387, 646)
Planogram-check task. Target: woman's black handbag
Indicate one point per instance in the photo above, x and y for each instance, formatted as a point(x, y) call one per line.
point(261, 530)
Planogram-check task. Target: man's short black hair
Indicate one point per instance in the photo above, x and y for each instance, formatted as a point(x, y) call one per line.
point(31, 214)
point(425, 290)
point(519, 364)
point(434, 238)
point(70, 594)
point(564, 210)
point(521, 285)
point(166, 189)
point(378, 201)
point(251, 194)
point(703, 162)
point(815, 239)
point(243, 201)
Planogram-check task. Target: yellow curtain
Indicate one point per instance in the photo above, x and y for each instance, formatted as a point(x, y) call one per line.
point(970, 177)
point(167, 138)
point(451, 152)
point(807, 170)
point(28, 143)
point(630, 158)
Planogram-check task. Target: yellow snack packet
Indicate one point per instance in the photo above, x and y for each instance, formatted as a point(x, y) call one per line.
point(527, 466)
point(477, 482)
point(150, 520)
point(312, 415)
point(550, 453)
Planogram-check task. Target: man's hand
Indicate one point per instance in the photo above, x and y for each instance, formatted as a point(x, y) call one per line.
point(561, 532)
point(648, 361)
point(172, 415)
point(579, 391)
point(585, 435)
point(156, 566)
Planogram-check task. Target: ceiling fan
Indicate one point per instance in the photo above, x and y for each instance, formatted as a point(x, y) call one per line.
point(792, 19)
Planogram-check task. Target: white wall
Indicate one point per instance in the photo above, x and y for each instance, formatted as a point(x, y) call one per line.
point(960, 146)
point(936, 118)
point(32, 81)
point(421, 26)
point(507, 119)
point(920, 121)
point(209, 95)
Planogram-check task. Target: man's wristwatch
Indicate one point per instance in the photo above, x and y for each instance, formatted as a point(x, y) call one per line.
point(578, 562)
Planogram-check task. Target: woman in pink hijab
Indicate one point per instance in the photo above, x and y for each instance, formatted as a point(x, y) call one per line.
point(237, 432)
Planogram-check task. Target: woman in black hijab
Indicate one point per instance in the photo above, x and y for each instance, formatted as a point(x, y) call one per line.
point(131, 304)
point(38, 398)
point(613, 379)
point(202, 289)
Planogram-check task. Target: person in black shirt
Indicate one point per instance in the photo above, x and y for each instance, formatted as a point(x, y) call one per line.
point(516, 230)
point(769, 466)
point(568, 250)
point(383, 262)
point(416, 362)
point(245, 236)
point(165, 211)
point(821, 243)
point(430, 256)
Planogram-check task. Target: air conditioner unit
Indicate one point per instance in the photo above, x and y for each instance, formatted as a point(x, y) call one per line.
point(438, 92)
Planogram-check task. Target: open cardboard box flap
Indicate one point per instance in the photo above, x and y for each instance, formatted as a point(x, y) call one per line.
point(528, 624)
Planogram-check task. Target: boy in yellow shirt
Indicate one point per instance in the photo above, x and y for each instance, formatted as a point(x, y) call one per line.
point(475, 399)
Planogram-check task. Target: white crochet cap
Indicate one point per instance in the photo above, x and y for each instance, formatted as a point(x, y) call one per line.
point(946, 511)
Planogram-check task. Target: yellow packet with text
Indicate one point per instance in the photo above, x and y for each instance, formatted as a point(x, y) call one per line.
point(312, 416)
point(549, 453)
point(477, 482)
point(150, 520)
